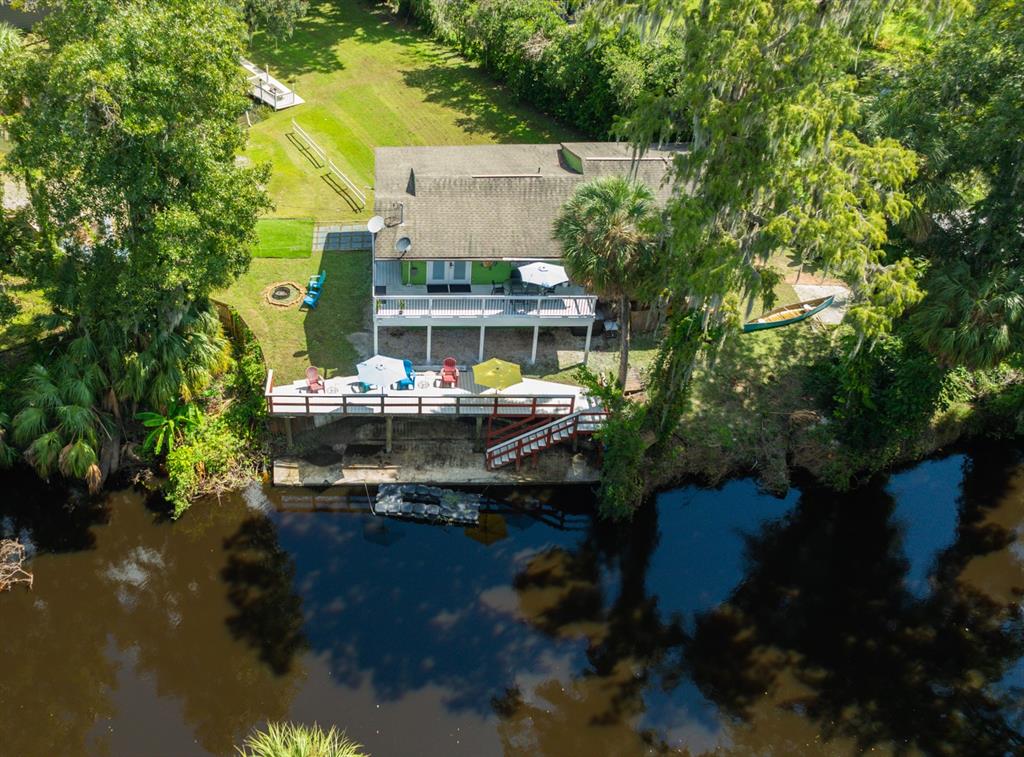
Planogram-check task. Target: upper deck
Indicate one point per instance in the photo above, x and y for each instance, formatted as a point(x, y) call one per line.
point(401, 304)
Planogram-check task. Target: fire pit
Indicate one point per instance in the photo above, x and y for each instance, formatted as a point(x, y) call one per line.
point(284, 294)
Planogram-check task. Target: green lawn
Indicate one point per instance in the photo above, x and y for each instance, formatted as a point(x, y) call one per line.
point(293, 339)
point(367, 81)
point(27, 325)
point(370, 81)
point(284, 238)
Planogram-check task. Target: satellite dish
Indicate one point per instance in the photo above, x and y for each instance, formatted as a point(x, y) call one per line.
point(375, 224)
point(403, 244)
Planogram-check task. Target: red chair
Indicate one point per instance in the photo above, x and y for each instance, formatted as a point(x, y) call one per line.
point(449, 373)
point(313, 380)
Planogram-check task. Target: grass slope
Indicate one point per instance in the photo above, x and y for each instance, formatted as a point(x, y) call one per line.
point(293, 339)
point(370, 81)
point(284, 238)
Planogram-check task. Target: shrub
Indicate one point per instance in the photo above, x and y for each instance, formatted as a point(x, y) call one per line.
point(624, 449)
point(208, 460)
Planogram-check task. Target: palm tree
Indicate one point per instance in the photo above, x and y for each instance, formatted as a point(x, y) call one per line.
point(969, 319)
point(606, 233)
point(58, 425)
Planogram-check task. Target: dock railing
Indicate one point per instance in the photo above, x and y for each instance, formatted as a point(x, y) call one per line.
point(397, 402)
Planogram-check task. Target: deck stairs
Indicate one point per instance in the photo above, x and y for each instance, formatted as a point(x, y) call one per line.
point(530, 437)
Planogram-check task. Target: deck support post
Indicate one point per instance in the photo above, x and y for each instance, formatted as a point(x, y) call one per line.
point(479, 426)
point(388, 433)
point(533, 352)
point(288, 431)
point(586, 349)
point(376, 350)
point(480, 359)
point(430, 334)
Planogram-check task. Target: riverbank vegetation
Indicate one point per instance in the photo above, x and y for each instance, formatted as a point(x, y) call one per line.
point(138, 211)
point(874, 180)
point(225, 446)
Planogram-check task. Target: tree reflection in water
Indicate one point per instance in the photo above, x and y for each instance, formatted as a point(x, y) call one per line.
point(260, 577)
point(819, 642)
point(717, 620)
point(134, 613)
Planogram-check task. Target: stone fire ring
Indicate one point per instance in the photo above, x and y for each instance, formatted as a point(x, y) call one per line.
point(284, 294)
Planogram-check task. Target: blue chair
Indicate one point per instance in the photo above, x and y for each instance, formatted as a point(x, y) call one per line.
point(316, 283)
point(311, 298)
point(409, 382)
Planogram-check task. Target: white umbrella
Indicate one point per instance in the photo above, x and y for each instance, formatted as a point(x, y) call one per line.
point(543, 274)
point(381, 371)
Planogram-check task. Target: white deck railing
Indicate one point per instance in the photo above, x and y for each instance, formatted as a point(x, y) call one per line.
point(470, 306)
point(338, 400)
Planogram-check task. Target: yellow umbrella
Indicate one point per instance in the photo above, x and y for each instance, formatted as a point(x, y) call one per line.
point(497, 374)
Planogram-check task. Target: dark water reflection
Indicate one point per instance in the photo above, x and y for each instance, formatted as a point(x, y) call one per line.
point(720, 620)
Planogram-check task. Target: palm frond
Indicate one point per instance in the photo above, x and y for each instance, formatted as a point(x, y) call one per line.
point(82, 350)
point(43, 453)
point(132, 383)
point(93, 478)
point(76, 459)
point(29, 424)
point(76, 422)
point(40, 388)
point(76, 391)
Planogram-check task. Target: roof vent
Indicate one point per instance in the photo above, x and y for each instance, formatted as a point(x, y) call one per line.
point(402, 245)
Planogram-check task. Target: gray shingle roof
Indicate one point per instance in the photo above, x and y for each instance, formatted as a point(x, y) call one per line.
point(492, 201)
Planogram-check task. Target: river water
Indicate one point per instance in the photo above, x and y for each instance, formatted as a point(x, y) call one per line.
point(721, 619)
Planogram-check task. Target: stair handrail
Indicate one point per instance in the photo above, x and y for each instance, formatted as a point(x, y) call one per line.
point(534, 433)
point(517, 428)
point(517, 443)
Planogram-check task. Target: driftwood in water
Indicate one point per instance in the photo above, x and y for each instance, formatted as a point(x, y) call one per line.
point(12, 560)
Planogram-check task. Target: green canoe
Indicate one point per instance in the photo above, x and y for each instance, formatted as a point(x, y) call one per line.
point(787, 314)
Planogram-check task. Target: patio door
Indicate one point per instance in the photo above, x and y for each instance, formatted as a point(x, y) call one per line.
point(448, 272)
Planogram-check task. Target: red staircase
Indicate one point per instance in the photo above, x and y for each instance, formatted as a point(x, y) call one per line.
point(531, 436)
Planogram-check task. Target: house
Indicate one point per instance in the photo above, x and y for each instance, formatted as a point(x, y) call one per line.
point(455, 222)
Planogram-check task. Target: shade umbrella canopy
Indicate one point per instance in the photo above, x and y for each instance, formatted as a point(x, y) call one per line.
point(497, 374)
point(543, 274)
point(381, 371)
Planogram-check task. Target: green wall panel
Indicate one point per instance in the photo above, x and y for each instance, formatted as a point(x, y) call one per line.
point(498, 273)
point(414, 272)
